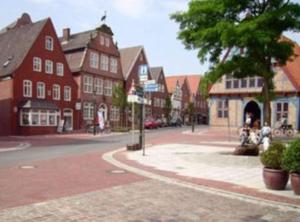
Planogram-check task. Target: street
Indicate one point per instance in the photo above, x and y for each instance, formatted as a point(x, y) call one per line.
point(69, 178)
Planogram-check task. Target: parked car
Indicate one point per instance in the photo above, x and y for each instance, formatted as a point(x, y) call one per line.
point(159, 122)
point(176, 122)
point(150, 123)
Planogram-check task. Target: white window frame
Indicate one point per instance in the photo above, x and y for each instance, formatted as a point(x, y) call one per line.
point(222, 108)
point(107, 87)
point(27, 88)
point(114, 113)
point(94, 60)
point(56, 92)
point(48, 66)
point(37, 64)
point(107, 42)
point(67, 93)
point(113, 65)
point(104, 60)
point(54, 114)
point(101, 40)
point(49, 43)
point(60, 69)
point(87, 84)
point(40, 90)
point(98, 84)
point(88, 111)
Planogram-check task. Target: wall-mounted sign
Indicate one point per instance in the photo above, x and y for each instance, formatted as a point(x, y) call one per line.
point(78, 106)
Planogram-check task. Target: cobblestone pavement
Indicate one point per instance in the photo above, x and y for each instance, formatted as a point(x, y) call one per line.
point(147, 201)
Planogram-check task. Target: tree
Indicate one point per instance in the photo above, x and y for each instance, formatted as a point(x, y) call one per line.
point(168, 107)
point(253, 28)
point(119, 99)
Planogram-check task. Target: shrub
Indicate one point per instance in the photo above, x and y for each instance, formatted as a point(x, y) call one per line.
point(291, 157)
point(272, 158)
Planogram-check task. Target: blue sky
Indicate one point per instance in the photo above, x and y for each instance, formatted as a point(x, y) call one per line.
point(134, 22)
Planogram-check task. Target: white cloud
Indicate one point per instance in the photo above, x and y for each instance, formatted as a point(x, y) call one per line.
point(133, 8)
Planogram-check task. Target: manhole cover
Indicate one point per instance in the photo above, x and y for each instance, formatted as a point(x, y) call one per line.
point(27, 167)
point(117, 171)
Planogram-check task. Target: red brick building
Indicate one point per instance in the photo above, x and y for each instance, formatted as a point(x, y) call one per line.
point(131, 59)
point(94, 60)
point(200, 103)
point(37, 90)
point(159, 98)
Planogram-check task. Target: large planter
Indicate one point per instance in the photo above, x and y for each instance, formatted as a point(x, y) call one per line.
point(275, 179)
point(295, 182)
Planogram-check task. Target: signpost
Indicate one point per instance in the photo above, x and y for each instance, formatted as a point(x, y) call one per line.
point(151, 87)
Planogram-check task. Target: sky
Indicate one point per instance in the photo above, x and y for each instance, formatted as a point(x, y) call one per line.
point(134, 22)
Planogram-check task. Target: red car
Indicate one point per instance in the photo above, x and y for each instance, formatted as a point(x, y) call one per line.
point(150, 124)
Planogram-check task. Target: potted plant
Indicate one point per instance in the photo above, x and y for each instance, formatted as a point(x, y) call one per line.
point(274, 176)
point(291, 163)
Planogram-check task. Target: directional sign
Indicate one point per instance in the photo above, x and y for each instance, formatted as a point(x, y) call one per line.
point(151, 87)
point(152, 81)
point(137, 99)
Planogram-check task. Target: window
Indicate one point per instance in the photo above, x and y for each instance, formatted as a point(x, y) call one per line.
point(88, 111)
point(162, 103)
point(59, 69)
point(27, 88)
point(108, 87)
point(35, 117)
point(94, 60)
point(114, 113)
point(228, 82)
point(67, 93)
point(113, 65)
point(104, 62)
point(282, 110)
point(156, 102)
point(49, 66)
point(252, 82)
point(259, 82)
point(101, 40)
point(107, 42)
point(98, 86)
point(162, 88)
point(222, 108)
point(244, 82)
point(88, 84)
point(236, 83)
point(37, 64)
point(40, 90)
point(56, 92)
point(49, 43)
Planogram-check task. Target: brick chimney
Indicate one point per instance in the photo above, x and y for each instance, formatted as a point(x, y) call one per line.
point(66, 34)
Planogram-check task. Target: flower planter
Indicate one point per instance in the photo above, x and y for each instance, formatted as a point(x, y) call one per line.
point(275, 179)
point(133, 147)
point(295, 182)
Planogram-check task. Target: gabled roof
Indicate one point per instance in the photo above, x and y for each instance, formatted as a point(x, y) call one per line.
point(194, 81)
point(155, 72)
point(129, 57)
point(15, 44)
point(78, 40)
point(171, 82)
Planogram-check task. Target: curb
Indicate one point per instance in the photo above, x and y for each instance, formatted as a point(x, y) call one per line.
point(21, 146)
point(109, 157)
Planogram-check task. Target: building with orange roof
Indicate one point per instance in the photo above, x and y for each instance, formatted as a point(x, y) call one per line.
point(231, 99)
point(175, 93)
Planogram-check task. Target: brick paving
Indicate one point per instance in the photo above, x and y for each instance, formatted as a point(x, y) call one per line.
point(147, 201)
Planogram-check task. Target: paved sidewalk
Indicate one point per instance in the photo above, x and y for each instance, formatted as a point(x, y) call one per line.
point(209, 165)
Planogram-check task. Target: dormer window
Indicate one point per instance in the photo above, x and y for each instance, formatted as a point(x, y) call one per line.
point(49, 43)
point(107, 42)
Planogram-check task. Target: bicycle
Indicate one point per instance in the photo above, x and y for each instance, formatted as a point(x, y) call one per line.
point(284, 130)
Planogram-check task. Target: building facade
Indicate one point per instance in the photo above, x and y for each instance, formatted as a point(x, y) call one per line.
point(94, 60)
point(159, 97)
point(230, 100)
point(175, 93)
point(38, 93)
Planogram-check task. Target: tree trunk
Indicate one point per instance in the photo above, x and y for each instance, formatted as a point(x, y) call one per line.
point(266, 101)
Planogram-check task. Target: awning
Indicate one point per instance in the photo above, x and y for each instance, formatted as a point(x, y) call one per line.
point(37, 104)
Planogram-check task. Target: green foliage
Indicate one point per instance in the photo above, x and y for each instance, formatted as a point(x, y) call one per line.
point(250, 32)
point(119, 97)
point(291, 157)
point(272, 158)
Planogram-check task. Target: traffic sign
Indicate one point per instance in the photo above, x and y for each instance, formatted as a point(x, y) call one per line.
point(143, 72)
point(151, 87)
point(152, 81)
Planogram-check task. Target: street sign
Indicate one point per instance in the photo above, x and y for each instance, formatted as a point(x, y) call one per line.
point(143, 72)
point(151, 87)
point(152, 81)
point(138, 99)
